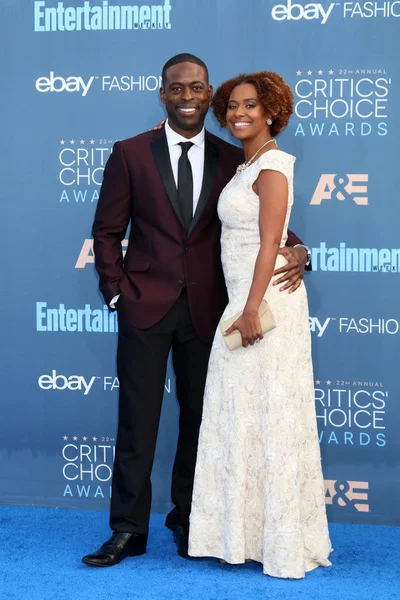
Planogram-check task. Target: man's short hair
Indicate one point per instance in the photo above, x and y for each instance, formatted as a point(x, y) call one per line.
point(180, 58)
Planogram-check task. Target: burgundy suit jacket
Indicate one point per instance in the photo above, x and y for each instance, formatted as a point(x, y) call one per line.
point(139, 189)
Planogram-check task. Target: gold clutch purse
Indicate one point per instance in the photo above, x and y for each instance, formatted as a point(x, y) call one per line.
point(234, 339)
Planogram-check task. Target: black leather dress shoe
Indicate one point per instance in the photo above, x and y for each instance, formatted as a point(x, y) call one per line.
point(181, 537)
point(118, 547)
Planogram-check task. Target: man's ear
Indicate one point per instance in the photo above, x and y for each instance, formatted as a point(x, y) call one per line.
point(210, 92)
point(162, 95)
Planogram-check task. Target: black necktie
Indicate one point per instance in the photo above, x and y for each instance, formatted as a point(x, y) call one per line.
point(185, 186)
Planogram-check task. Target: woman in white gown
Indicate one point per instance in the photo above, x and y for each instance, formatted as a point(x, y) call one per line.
point(258, 491)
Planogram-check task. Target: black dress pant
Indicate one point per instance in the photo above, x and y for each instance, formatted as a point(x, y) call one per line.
point(142, 362)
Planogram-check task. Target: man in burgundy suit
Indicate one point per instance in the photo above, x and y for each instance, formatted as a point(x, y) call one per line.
point(169, 293)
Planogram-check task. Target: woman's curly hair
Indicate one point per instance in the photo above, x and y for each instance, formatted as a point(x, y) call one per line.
point(273, 92)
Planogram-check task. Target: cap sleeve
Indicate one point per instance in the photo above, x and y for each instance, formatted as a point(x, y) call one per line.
point(276, 160)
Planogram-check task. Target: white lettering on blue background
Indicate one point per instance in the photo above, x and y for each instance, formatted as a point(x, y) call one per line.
point(295, 12)
point(75, 320)
point(62, 84)
point(355, 260)
point(371, 10)
point(101, 18)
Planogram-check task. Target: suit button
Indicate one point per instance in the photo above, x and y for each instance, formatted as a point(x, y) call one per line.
point(180, 282)
point(187, 249)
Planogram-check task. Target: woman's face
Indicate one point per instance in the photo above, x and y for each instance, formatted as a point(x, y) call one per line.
point(245, 115)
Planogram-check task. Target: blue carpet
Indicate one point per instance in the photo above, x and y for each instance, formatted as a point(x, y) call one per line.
point(41, 549)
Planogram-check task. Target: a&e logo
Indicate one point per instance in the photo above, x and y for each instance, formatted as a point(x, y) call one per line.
point(342, 187)
point(349, 494)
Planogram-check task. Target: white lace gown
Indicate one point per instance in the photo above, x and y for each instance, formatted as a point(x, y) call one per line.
point(258, 491)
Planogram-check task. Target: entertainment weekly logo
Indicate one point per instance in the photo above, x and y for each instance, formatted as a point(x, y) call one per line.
point(320, 14)
point(351, 413)
point(63, 319)
point(56, 83)
point(346, 259)
point(350, 102)
point(101, 16)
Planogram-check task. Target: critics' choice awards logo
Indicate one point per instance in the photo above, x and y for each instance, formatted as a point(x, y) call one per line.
point(318, 13)
point(351, 413)
point(87, 466)
point(81, 165)
point(79, 383)
point(349, 187)
point(355, 326)
point(101, 16)
point(105, 83)
point(347, 494)
point(348, 102)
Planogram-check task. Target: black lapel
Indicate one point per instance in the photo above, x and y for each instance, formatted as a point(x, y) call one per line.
point(210, 170)
point(160, 152)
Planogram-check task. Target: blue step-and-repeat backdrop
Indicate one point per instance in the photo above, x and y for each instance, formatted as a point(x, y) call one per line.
point(76, 76)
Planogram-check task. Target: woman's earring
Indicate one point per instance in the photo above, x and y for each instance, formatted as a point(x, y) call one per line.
point(269, 122)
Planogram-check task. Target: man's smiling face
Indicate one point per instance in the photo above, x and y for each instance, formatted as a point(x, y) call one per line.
point(186, 95)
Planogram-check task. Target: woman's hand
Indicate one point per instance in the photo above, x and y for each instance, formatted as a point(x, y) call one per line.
point(249, 326)
point(159, 126)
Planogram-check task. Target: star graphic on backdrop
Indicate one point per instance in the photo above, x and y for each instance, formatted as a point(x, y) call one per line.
point(65, 438)
point(331, 72)
point(84, 438)
point(62, 142)
point(298, 73)
point(82, 142)
point(309, 72)
point(74, 438)
point(329, 382)
point(320, 72)
point(72, 142)
point(318, 381)
point(94, 439)
point(92, 142)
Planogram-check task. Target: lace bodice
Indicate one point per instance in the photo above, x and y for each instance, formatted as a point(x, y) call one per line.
point(238, 209)
point(238, 205)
